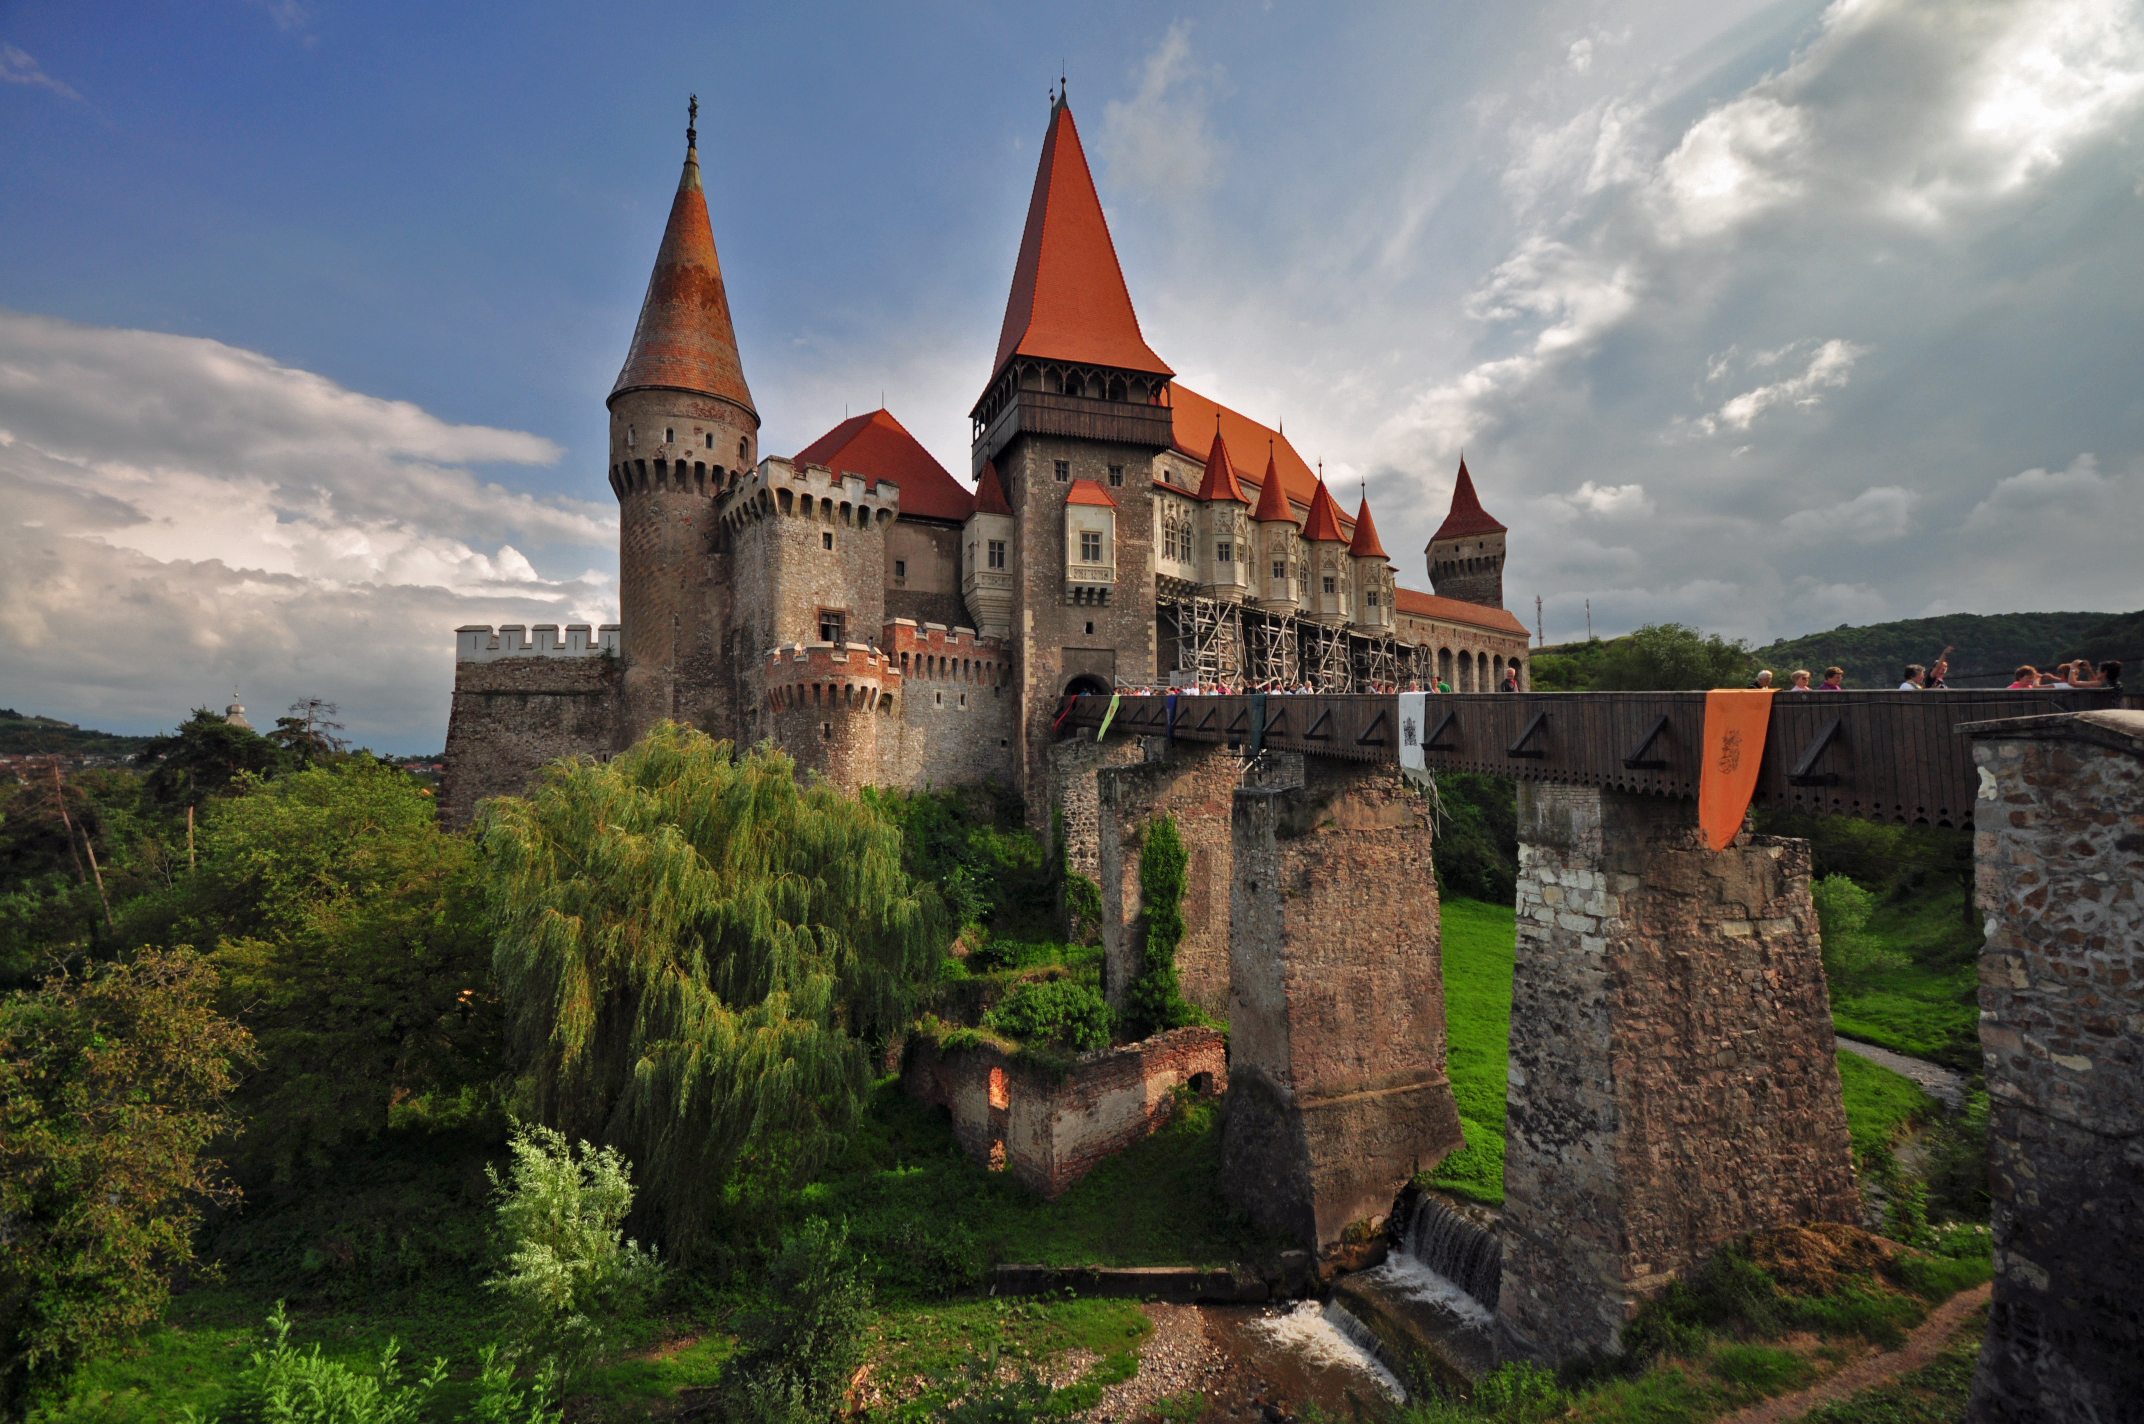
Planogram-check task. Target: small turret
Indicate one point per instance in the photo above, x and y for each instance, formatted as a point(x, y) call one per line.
point(1278, 573)
point(1374, 583)
point(1224, 558)
point(986, 570)
point(1466, 554)
point(1329, 597)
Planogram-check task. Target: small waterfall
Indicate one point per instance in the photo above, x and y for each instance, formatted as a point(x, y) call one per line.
point(1455, 1248)
point(1329, 1337)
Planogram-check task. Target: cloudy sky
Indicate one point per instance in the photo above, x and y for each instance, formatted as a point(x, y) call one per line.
point(1766, 317)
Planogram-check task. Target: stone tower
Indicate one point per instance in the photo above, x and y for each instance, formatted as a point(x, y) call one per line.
point(1466, 554)
point(1071, 419)
point(682, 425)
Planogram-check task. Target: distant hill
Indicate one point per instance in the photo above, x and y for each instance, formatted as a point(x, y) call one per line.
point(2121, 639)
point(1990, 645)
point(22, 735)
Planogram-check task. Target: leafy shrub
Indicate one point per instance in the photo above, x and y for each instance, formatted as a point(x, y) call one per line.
point(920, 1258)
point(802, 1341)
point(1056, 1011)
point(1477, 837)
point(1672, 657)
point(569, 1270)
point(1957, 1173)
point(112, 1086)
point(1154, 1001)
point(1851, 954)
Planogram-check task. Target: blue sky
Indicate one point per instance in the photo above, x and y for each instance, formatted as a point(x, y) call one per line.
point(1765, 317)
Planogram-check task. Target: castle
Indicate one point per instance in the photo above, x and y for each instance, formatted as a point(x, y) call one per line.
point(885, 625)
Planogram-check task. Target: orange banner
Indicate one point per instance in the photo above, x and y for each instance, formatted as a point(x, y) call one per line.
point(1735, 723)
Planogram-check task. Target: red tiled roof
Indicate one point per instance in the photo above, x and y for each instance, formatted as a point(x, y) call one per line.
point(1220, 481)
point(1273, 503)
point(1088, 492)
point(1467, 516)
point(1365, 545)
point(990, 492)
point(684, 339)
point(878, 447)
point(1454, 610)
point(1323, 525)
point(1192, 421)
point(1068, 299)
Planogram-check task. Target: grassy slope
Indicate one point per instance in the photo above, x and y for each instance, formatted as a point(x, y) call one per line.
point(1930, 1008)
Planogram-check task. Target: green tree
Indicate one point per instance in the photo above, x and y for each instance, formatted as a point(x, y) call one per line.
point(204, 756)
point(570, 1272)
point(801, 1343)
point(1155, 999)
point(1058, 1011)
point(1851, 954)
point(1672, 657)
point(352, 937)
point(112, 1085)
point(694, 952)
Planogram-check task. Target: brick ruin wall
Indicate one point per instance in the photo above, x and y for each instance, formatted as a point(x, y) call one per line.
point(1336, 1007)
point(512, 715)
point(1196, 784)
point(2059, 828)
point(1673, 1082)
point(1050, 1131)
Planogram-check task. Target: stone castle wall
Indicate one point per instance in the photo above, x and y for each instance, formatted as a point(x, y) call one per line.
point(511, 715)
point(831, 708)
point(1673, 1080)
point(1050, 1131)
point(954, 723)
point(1196, 783)
point(2059, 828)
point(1072, 797)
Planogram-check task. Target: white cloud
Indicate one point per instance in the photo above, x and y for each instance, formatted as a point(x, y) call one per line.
point(2033, 499)
point(1734, 164)
point(1874, 516)
point(1831, 366)
point(184, 517)
point(1157, 143)
point(16, 67)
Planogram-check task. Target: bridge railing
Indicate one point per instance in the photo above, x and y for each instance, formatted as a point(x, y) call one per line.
point(1889, 756)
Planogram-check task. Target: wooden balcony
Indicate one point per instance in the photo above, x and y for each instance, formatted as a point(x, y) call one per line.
point(1080, 418)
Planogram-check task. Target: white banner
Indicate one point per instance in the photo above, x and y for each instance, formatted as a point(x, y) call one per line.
point(1414, 731)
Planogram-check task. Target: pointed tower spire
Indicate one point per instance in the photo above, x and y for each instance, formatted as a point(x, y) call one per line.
point(685, 340)
point(1068, 299)
point(990, 492)
point(1466, 516)
point(1366, 545)
point(1220, 481)
point(1273, 506)
point(1323, 524)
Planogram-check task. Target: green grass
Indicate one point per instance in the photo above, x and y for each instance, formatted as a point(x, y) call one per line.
point(1880, 1104)
point(1929, 1007)
point(1478, 957)
point(935, 1341)
point(1936, 1393)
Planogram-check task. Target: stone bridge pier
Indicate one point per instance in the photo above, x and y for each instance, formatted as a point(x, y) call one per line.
point(1337, 1086)
point(2059, 846)
point(1673, 1081)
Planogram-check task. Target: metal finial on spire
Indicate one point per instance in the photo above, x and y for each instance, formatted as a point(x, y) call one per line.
point(692, 122)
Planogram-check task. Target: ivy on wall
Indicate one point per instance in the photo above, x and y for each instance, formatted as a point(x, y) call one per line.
point(1155, 1000)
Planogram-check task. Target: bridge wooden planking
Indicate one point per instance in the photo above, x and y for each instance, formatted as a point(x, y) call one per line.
point(1895, 756)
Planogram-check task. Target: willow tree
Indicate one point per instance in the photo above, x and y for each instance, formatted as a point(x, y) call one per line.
point(695, 952)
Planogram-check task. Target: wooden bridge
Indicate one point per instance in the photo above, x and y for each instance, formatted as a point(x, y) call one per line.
point(1887, 756)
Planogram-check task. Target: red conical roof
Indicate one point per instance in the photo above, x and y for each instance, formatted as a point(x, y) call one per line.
point(1273, 506)
point(878, 447)
point(1069, 301)
point(990, 492)
point(1467, 516)
point(684, 339)
point(1220, 481)
point(1323, 525)
point(1366, 545)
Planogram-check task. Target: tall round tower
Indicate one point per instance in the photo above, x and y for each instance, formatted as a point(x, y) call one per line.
point(1466, 554)
point(682, 425)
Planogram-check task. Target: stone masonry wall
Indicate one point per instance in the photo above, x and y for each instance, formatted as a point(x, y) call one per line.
point(1051, 1131)
point(1336, 1004)
point(1071, 790)
point(1673, 1082)
point(953, 725)
point(512, 715)
point(1195, 783)
point(2059, 831)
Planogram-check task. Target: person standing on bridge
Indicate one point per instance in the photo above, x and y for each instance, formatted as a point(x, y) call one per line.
point(1511, 679)
point(1915, 676)
point(1801, 680)
point(2027, 676)
point(1764, 678)
point(1834, 680)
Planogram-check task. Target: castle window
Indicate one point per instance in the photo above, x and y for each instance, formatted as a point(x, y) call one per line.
point(1371, 598)
point(941, 699)
point(900, 568)
point(997, 553)
point(826, 731)
point(1280, 568)
point(833, 625)
point(826, 538)
point(669, 435)
point(1224, 552)
point(1090, 547)
point(1090, 629)
point(710, 439)
point(629, 437)
point(1116, 474)
point(1064, 470)
point(743, 458)
point(1329, 583)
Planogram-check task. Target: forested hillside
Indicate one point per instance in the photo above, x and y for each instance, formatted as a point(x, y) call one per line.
point(26, 735)
point(1993, 644)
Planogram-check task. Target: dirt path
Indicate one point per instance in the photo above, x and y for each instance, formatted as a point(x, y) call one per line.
point(1943, 1084)
point(1922, 1346)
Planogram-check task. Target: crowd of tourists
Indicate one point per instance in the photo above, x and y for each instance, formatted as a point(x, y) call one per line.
point(2079, 673)
point(1231, 689)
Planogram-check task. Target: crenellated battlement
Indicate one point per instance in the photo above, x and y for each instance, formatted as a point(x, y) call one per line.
point(815, 492)
point(830, 676)
point(479, 643)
